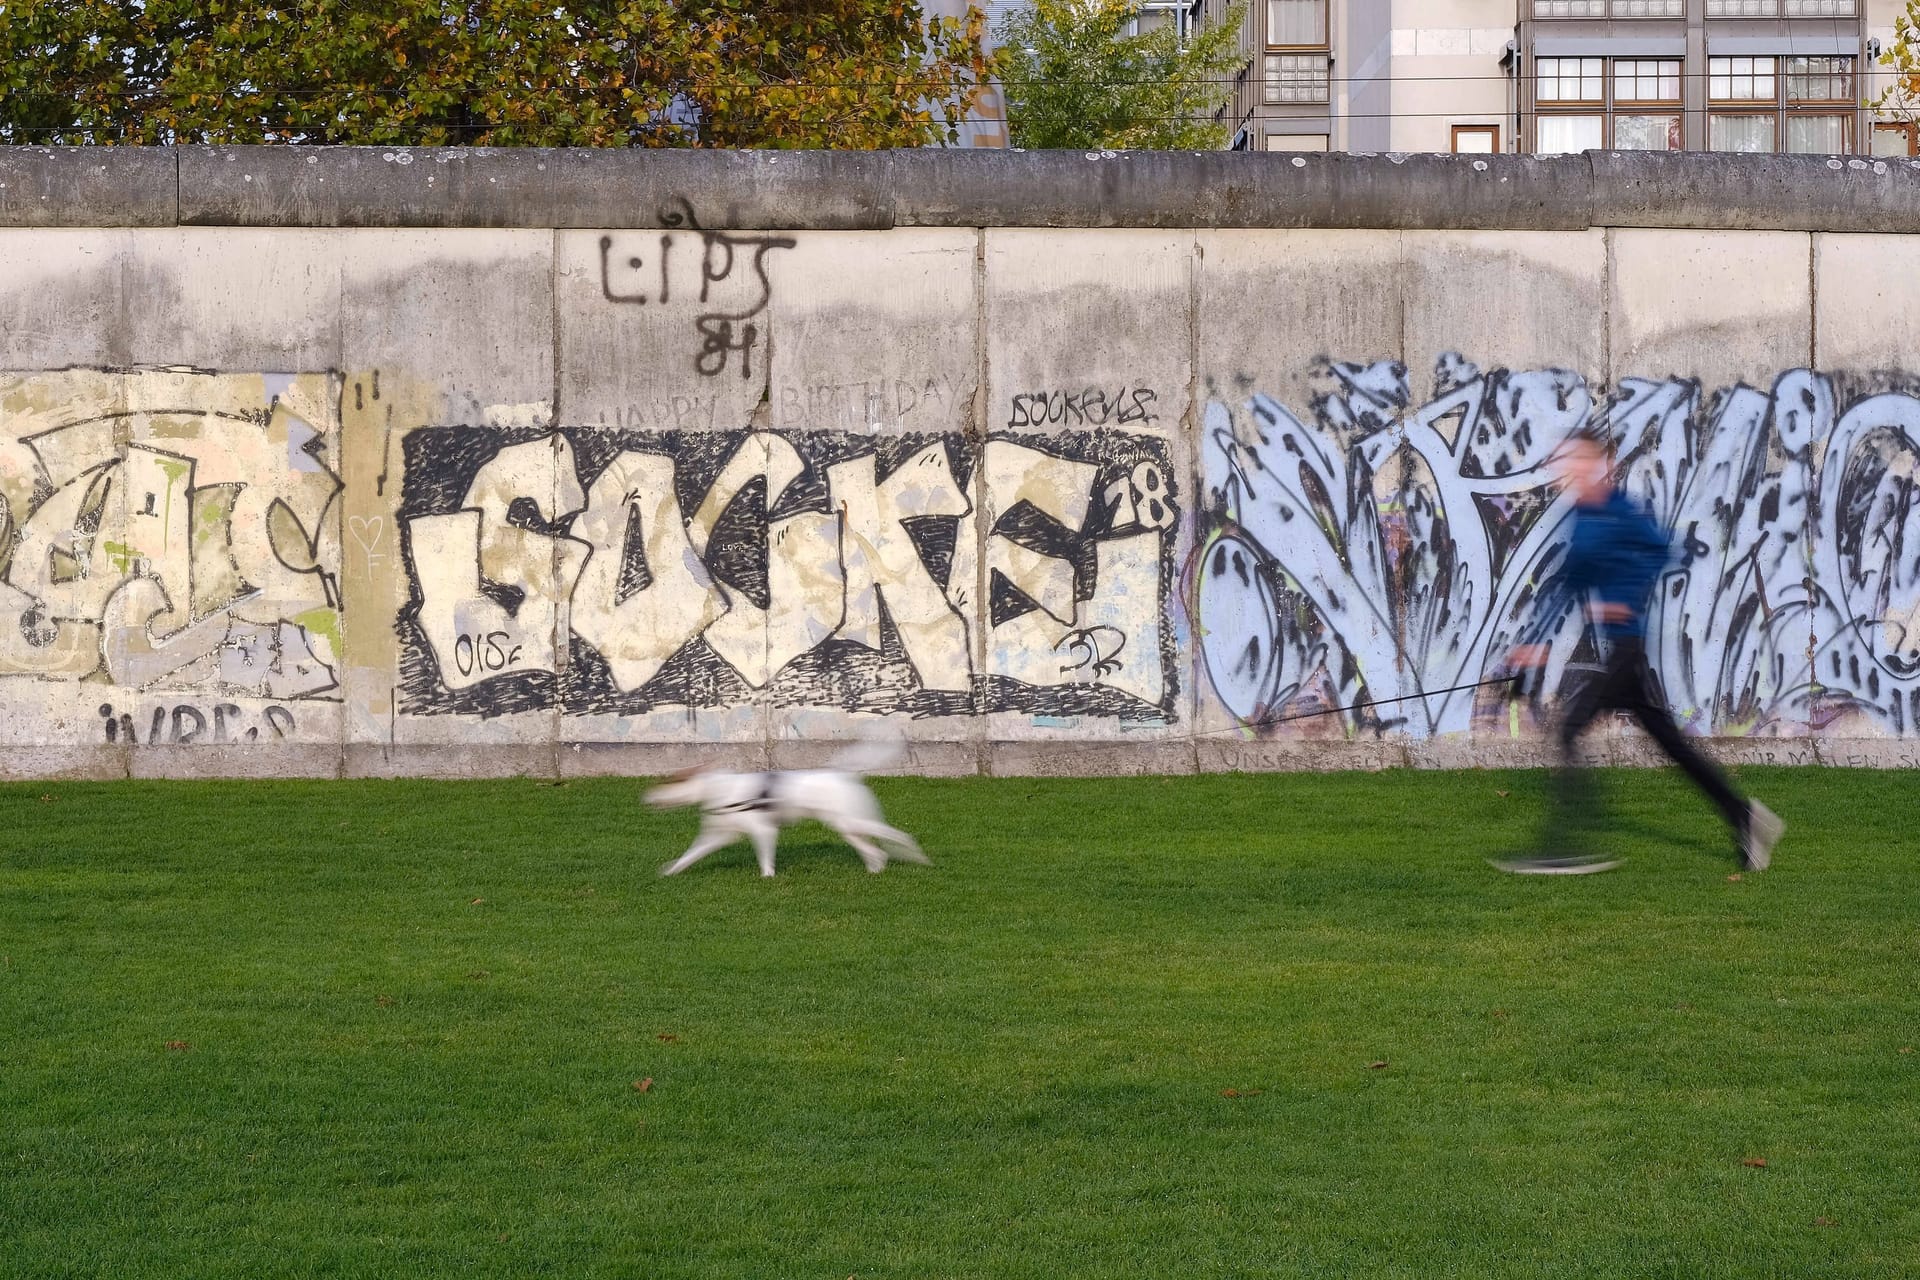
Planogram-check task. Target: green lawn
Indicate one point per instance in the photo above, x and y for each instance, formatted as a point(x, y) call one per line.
point(1170, 1028)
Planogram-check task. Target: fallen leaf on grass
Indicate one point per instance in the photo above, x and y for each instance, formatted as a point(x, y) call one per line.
point(1755, 1162)
point(1500, 1013)
point(479, 975)
point(641, 1086)
point(1823, 1222)
point(1683, 1006)
point(46, 799)
point(503, 1237)
point(476, 902)
point(1377, 1066)
point(178, 1046)
point(667, 1037)
point(1241, 1093)
point(1906, 1048)
point(1503, 794)
point(383, 1001)
point(1735, 878)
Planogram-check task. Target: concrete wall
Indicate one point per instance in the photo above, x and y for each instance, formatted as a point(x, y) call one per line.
point(379, 462)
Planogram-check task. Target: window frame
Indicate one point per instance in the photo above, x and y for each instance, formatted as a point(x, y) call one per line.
point(1609, 106)
point(1898, 127)
point(1489, 130)
point(1270, 81)
point(1843, 69)
point(1326, 30)
point(1607, 9)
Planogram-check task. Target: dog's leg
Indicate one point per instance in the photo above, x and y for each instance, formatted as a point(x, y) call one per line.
point(765, 836)
point(871, 854)
point(707, 843)
point(906, 848)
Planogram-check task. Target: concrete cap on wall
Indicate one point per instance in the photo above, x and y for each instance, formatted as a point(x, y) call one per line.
point(87, 186)
point(281, 186)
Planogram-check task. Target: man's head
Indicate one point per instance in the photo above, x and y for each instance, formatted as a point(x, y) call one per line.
point(1584, 469)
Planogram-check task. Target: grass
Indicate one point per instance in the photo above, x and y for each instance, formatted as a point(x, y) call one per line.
point(1223, 1026)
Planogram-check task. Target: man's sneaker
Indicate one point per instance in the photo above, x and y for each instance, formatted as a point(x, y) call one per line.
point(1561, 866)
point(1762, 832)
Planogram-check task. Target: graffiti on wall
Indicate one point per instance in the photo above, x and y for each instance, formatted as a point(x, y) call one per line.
point(617, 572)
point(176, 530)
point(719, 277)
point(1387, 548)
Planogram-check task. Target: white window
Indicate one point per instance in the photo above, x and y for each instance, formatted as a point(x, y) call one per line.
point(1297, 77)
point(1476, 139)
point(1742, 8)
point(1569, 8)
point(1556, 135)
point(1753, 134)
point(1647, 133)
point(1646, 80)
point(1820, 8)
point(1296, 142)
point(1809, 135)
point(1570, 79)
point(1649, 8)
point(1741, 80)
point(1297, 23)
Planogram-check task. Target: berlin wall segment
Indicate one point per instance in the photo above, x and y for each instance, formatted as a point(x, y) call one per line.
point(785, 485)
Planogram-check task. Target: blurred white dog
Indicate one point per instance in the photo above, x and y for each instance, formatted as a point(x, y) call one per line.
point(754, 806)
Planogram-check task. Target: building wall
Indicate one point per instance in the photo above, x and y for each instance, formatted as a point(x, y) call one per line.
point(1447, 72)
point(580, 498)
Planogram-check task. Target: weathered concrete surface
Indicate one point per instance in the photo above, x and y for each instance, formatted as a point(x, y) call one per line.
point(635, 462)
point(865, 191)
point(87, 186)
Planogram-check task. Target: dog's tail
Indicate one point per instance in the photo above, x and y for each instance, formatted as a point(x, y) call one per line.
point(869, 754)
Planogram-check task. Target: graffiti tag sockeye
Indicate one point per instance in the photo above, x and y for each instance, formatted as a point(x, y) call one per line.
point(1388, 548)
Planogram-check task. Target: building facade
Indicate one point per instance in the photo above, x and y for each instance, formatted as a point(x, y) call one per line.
point(1564, 75)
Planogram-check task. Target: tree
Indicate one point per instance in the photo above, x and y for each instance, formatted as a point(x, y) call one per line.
point(714, 73)
point(1075, 78)
point(1901, 98)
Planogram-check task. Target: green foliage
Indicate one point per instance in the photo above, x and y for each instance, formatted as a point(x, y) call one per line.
point(1901, 98)
point(718, 73)
point(1075, 79)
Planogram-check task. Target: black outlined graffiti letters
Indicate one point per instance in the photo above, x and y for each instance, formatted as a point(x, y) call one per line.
point(818, 568)
point(1390, 547)
point(169, 529)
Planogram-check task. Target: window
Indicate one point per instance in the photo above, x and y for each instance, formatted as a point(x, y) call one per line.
point(1602, 8)
point(1781, 8)
point(1297, 23)
point(1297, 77)
point(1570, 79)
point(1751, 134)
point(1772, 101)
point(1646, 80)
point(1741, 80)
point(1820, 80)
point(1896, 140)
point(1296, 142)
point(1555, 135)
point(1647, 133)
point(1817, 135)
point(1642, 113)
point(1476, 139)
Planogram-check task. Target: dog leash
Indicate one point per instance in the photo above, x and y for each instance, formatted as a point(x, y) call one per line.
point(1356, 706)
